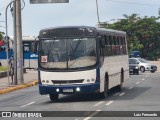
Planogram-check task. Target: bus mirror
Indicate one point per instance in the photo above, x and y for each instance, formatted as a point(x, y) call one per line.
point(34, 47)
point(37, 38)
point(101, 41)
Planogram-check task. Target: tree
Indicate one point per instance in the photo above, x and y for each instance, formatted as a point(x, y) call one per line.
point(143, 33)
point(1, 35)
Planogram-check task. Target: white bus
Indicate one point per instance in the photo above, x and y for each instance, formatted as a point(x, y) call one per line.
point(81, 59)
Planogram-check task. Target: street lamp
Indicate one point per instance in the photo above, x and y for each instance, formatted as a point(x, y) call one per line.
point(7, 40)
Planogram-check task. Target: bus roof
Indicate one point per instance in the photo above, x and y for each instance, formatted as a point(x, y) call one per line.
point(26, 38)
point(97, 29)
point(58, 27)
point(78, 30)
point(111, 31)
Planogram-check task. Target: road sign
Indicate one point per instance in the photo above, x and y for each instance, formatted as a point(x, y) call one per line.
point(48, 1)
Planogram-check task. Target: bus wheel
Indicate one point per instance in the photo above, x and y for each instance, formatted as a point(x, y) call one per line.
point(119, 87)
point(53, 97)
point(104, 94)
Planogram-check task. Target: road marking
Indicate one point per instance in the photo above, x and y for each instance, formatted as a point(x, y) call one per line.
point(137, 82)
point(130, 88)
point(143, 78)
point(122, 94)
point(110, 102)
point(91, 115)
point(116, 94)
point(28, 104)
point(97, 104)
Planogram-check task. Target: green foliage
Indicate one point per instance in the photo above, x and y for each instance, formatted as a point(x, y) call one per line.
point(143, 34)
point(1, 35)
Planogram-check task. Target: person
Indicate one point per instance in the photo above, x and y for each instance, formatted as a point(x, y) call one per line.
point(11, 66)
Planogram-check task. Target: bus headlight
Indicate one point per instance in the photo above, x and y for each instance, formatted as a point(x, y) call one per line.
point(47, 81)
point(57, 90)
point(78, 89)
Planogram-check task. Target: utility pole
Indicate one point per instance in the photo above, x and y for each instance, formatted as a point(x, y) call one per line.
point(97, 12)
point(19, 43)
point(15, 43)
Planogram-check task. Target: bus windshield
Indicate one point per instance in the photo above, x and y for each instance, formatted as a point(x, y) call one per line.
point(67, 53)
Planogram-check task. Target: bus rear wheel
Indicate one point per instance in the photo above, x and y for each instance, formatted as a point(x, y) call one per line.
point(119, 87)
point(53, 97)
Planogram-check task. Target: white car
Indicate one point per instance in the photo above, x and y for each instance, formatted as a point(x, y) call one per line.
point(144, 65)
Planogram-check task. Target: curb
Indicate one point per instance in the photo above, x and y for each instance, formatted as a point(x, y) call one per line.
point(10, 89)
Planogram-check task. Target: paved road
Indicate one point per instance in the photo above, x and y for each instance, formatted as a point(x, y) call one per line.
point(140, 93)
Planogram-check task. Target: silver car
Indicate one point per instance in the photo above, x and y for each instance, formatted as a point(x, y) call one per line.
point(144, 65)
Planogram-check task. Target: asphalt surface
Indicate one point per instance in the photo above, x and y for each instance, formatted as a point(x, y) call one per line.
point(139, 93)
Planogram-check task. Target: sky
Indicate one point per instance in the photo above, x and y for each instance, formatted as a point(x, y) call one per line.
point(77, 12)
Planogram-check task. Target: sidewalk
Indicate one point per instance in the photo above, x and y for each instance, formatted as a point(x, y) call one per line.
point(30, 79)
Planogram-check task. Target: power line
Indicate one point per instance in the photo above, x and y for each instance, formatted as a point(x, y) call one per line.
point(132, 3)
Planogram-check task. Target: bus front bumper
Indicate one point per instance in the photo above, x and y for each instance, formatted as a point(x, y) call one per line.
point(69, 89)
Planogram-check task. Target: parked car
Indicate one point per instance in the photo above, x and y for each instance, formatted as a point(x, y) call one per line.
point(133, 67)
point(144, 65)
point(135, 54)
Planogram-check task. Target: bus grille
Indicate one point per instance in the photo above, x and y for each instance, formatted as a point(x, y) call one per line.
point(67, 81)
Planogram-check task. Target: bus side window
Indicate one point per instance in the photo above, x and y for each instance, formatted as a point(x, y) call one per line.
point(121, 46)
point(117, 45)
point(101, 54)
point(114, 45)
point(106, 45)
point(34, 47)
point(106, 40)
point(118, 40)
point(26, 47)
point(109, 47)
point(124, 45)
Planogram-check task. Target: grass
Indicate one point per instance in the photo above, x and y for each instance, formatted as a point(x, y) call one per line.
point(3, 68)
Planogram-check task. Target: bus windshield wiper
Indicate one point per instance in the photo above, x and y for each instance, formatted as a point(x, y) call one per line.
point(50, 46)
point(76, 47)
